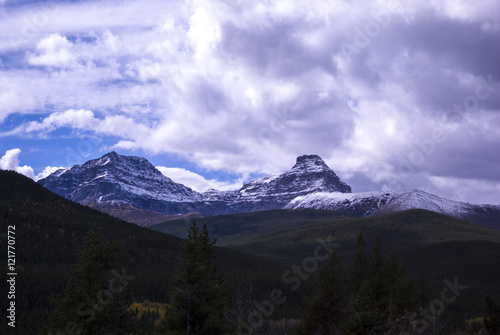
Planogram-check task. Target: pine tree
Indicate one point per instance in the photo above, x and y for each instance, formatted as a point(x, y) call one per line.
point(370, 307)
point(199, 296)
point(96, 299)
point(326, 311)
point(401, 300)
point(378, 275)
point(402, 292)
point(492, 322)
point(359, 264)
point(421, 291)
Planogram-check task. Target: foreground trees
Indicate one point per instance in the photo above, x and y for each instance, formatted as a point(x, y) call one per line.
point(199, 295)
point(379, 300)
point(97, 297)
point(326, 312)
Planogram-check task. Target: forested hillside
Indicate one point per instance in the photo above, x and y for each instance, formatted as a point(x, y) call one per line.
point(437, 245)
point(50, 229)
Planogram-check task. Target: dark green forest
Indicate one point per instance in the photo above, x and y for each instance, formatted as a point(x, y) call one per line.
point(50, 229)
point(439, 246)
point(272, 272)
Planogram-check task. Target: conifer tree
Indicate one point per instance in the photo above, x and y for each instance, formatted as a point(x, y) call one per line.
point(421, 291)
point(359, 264)
point(326, 311)
point(96, 299)
point(401, 300)
point(402, 292)
point(378, 275)
point(370, 306)
point(199, 296)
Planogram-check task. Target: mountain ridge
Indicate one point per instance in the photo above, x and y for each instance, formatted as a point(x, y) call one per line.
point(310, 183)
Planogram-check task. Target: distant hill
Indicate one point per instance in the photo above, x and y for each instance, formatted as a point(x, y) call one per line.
point(50, 228)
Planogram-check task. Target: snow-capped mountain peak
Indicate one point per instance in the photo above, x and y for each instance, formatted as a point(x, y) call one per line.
point(310, 163)
point(114, 177)
point(309, 174)
point(310, 183)
point(380, 203)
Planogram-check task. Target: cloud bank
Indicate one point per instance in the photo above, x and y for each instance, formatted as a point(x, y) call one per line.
point(391, 94)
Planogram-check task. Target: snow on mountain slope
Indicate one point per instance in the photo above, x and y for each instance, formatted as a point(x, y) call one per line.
point(310, 183)
point(485, 215)
point(380, 203)
point(359, 204)
point(419, 199)
point(120, 178)
point(309, 175)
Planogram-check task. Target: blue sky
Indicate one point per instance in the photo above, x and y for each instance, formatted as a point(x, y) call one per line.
point(391, 94)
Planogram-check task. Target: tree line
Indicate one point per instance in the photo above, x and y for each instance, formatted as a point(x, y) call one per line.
point(375, 296)
point(378, 297)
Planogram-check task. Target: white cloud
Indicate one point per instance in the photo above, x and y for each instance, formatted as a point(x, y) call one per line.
point(196, 181)
point(465, 10)
point(247, 87)
point(114, 125)
point(54, 50)
point(78, 119)
point(10, 161)
point(48, 170)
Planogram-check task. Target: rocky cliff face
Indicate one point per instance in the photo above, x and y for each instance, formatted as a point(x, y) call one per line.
point(310, 174)
point(128, 179)
point(133, 180)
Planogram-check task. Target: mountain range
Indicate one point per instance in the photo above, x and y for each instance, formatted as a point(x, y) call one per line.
point(132, 188)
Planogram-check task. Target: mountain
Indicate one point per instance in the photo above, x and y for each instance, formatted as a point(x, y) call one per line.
point(310, 174)
point(381, 203)
point(127, 179)
point(113, 178)
point(114, 181)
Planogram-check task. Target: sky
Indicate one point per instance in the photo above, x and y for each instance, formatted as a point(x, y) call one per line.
point(393, 95)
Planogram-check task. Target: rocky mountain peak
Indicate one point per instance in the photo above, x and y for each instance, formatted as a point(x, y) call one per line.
point(310, 174)
point(112, 159)
point(308, 162)
point(117, 178)
point(112, 155)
